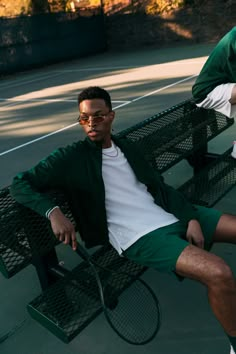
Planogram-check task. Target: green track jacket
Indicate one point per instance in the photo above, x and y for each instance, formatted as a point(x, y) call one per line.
point(77, 171)
point(220, 67)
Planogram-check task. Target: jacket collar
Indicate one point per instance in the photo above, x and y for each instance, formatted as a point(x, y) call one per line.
point(91, 144)
point(94, 145)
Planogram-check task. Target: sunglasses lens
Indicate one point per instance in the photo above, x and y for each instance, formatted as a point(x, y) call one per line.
point(83, 121)
point(96, 119)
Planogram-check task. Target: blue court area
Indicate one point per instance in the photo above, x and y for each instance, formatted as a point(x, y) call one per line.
point(38, 111)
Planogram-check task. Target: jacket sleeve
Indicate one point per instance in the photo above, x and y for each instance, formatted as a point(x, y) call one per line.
point(175, 202)
point(28, 188)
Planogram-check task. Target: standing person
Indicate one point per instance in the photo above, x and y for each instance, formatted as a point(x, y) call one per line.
point(215, 87)
point(117, 197)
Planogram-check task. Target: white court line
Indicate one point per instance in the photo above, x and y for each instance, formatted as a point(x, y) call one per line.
point(27, 81)
point(35, 140)
point(22, 82)
point(158, 90)
point(121, 105)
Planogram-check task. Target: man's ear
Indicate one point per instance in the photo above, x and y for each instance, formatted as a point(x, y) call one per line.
point(112, 115)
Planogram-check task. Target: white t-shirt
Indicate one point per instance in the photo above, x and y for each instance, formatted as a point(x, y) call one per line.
point(131, 210)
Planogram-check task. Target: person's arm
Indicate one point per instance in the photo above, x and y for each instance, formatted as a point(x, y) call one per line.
point(29, 188)
point(62, 228)
point(26, 190)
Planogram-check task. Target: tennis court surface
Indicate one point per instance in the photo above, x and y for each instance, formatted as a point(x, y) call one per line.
point(38, 111)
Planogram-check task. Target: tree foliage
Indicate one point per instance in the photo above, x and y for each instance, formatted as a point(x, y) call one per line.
point(153, 7)
point(162, 6)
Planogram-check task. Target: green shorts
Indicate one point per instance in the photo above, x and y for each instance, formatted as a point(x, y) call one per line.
point(161, 248)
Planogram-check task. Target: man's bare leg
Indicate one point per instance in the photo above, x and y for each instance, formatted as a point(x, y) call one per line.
point(213, 272)
point(216, 275)
point(226, 232)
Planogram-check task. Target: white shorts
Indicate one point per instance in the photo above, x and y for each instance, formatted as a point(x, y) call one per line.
point(218, 99)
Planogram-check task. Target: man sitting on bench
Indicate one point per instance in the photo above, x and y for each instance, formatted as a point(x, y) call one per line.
point(117, 197)
point(215, 87)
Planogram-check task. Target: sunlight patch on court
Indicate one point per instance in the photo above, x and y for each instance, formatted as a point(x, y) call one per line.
point(134, 77)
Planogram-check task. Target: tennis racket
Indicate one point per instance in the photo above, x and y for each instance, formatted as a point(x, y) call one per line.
point(129, 304)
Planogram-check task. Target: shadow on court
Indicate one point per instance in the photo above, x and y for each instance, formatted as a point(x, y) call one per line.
point(188, 326)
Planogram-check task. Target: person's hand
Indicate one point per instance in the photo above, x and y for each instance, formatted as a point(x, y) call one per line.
point(194, 234)
point(63, 228)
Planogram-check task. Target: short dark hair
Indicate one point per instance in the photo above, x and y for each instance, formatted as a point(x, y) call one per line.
point(94, 92)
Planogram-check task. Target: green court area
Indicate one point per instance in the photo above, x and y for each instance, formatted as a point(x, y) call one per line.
point(38, 111)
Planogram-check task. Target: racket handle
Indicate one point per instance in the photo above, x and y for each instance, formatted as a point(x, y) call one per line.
point(82, 252)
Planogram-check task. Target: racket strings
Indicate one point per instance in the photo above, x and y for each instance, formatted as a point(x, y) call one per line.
point(130, 305)
point(136, 316)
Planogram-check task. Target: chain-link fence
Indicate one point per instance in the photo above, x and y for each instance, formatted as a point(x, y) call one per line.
point(29, 41)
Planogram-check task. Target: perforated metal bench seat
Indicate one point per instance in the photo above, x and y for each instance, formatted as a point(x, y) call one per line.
point(70, 304)
point(24, 235)
point(176, 133)
point(212, 182)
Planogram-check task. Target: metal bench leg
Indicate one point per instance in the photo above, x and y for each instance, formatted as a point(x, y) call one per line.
point(42, 265)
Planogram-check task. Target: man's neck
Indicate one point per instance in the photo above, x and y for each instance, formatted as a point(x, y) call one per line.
point(107, 144)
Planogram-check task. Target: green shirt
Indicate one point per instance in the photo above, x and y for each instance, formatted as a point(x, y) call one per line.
point(77, 170)
point(220, 67)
